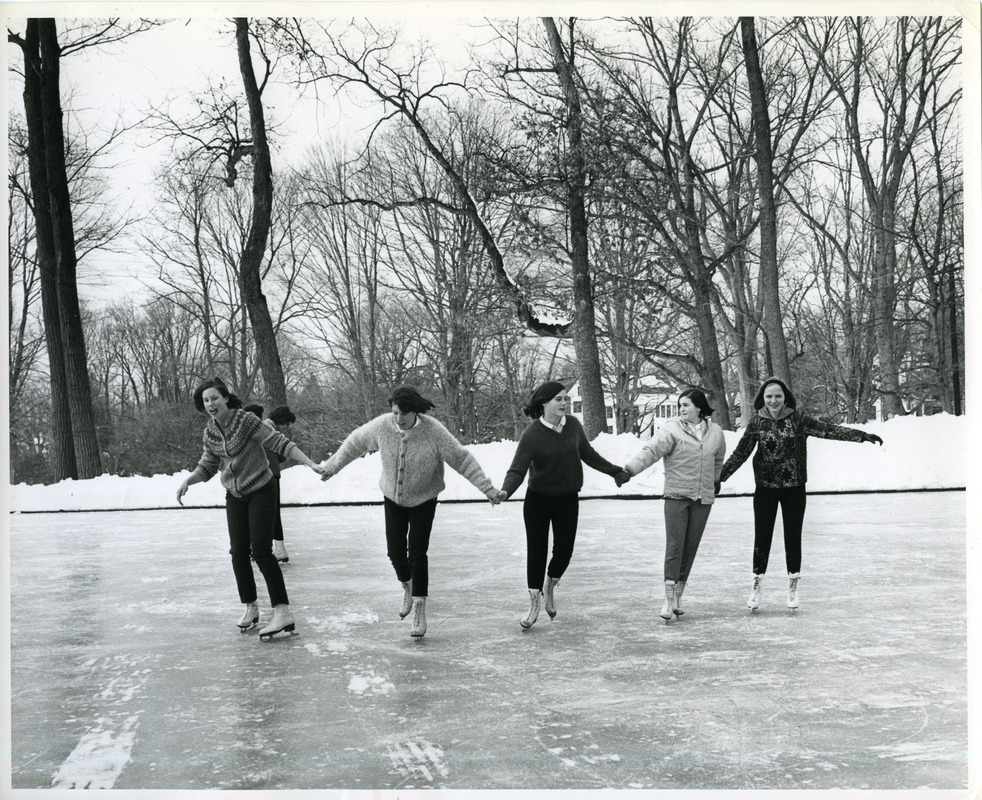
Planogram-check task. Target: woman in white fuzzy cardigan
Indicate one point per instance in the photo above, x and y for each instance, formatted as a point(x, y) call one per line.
point(414, 448)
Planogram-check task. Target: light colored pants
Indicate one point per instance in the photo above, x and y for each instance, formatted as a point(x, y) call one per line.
point(685, 521)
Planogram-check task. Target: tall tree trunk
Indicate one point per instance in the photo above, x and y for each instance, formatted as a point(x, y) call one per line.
point(73, 337)
point(584, 320)
point(884, 305)
point(65, 465)
point(250, 265)
point(764, 156)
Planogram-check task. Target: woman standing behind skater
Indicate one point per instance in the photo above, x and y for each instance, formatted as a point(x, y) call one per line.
point(693, 448)
point(552, 451)
point(233, 445)
point(779, 431)
point(414, 448)
point(280, 418)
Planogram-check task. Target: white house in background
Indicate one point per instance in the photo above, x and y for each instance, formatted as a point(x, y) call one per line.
point(655, 403)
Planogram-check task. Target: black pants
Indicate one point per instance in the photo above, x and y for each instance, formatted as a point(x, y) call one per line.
point(407, 538)
point(250, 529)
point(278, 525)
point(562, 511)
point(766, 501)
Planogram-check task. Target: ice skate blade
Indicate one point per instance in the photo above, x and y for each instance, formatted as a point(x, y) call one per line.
point(289, 630)
point(248, 627)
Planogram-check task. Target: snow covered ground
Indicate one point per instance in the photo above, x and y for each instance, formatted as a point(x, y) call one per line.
point(918, 453)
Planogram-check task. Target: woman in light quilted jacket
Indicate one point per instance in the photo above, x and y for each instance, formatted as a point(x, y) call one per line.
point(693, 448)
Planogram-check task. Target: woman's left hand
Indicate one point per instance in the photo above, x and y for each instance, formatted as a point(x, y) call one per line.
point(872, 438)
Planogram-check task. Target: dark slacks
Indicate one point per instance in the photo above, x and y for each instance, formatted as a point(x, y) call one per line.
point(766, 501)
point(407, 538)
point(250, 530)
point(541, 511)
point(278, 524)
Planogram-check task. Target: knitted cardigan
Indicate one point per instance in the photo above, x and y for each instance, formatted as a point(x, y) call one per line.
point(412, 460)
point(554, 459)
point(237, 450)
point(275, 461)
point(781, 460)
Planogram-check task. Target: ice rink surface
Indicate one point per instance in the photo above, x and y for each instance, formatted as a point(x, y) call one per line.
point(128, 673)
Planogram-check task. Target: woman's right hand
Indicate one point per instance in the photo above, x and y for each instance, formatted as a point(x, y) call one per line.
point(181, 491)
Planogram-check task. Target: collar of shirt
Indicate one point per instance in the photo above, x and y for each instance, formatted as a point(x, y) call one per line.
point(558, 427)
point(406, 430)
point(698, 429)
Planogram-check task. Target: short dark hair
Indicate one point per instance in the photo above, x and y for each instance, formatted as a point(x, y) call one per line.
point(541, 396)
point(789, 399)
point(699, 400)
point(408, 399)
point(281, 415)
point(254, 409)
point(215, 383)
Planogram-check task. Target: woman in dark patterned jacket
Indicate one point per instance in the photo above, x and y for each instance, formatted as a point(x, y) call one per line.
point(233, 445)
point(779, 431)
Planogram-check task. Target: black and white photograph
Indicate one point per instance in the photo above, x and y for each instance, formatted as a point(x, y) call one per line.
point(492, 399)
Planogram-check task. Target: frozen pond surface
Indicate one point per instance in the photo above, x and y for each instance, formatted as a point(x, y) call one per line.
point(128, 673)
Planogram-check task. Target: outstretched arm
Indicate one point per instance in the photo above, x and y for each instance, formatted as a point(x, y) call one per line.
point(359, 442)
point(741, 452)
point(838, 433)
point(462, 460)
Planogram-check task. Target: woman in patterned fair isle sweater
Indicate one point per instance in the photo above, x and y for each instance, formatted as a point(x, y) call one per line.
point(551, 451)
point(779, 431)
point(233, 445)
point(414, 448)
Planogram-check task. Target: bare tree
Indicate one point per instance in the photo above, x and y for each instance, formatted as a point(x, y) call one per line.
point(764, 156)
point(250, 266)
point(76, 448)
point(896, 65)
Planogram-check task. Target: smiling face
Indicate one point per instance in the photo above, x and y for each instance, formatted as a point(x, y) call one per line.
point(554, 409)
point(215, 403)
point(688, 410)
point(404, 419)
point(773, 399)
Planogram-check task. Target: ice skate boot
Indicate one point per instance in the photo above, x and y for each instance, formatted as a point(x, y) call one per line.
point(793, 589)
point(407, 599)
point(250, 618)
point(535, 599)
point(282, 622)
point(548, 596)
point(677, 608)
point(754, 601)
point(419, 618)
point(279, 550)
point(669, 604)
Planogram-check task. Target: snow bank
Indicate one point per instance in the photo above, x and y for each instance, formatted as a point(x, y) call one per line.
point(918, 453)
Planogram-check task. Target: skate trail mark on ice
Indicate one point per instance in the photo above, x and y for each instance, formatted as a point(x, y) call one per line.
point(418, 759)
point(106, 747)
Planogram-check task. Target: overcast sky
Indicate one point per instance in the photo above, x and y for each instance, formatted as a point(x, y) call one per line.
point(181, 57)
